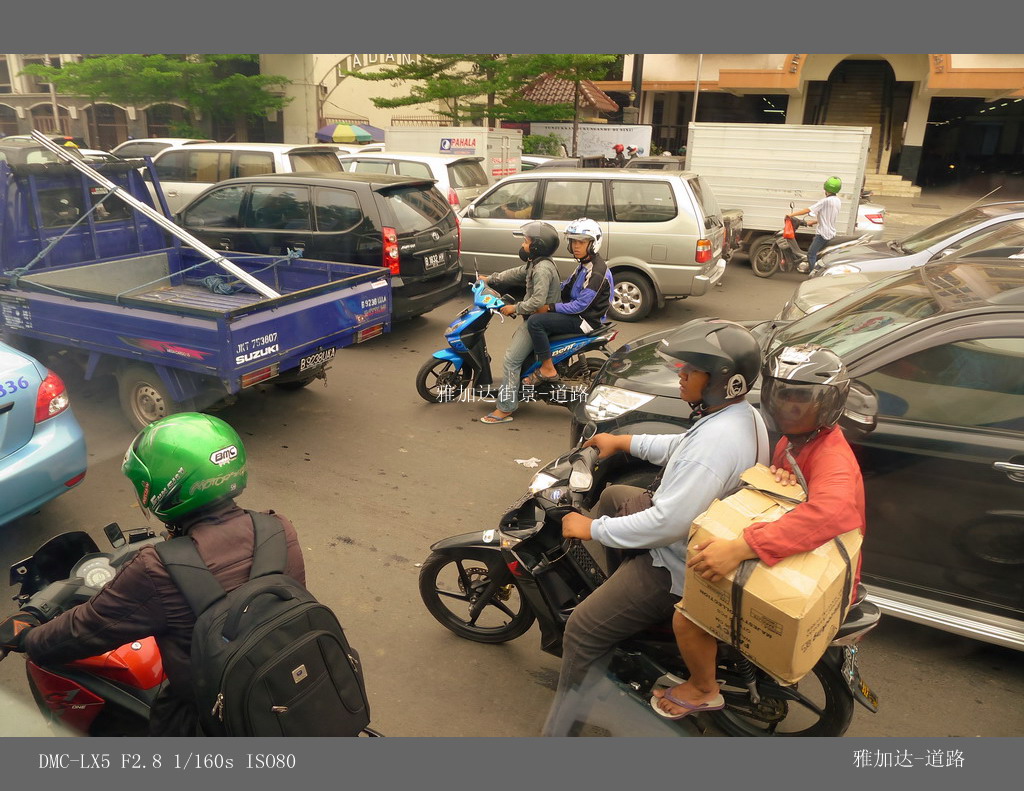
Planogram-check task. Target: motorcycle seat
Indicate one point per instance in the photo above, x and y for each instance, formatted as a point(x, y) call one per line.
point(861, 617)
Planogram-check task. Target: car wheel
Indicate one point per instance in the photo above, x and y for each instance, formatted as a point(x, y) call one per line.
point(633, 298)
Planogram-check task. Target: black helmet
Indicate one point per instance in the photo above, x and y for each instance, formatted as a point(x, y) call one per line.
point(724, 349)
point(543, 239)
point(804, 389)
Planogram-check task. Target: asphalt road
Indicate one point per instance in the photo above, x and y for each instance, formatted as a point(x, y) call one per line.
point(371, 475)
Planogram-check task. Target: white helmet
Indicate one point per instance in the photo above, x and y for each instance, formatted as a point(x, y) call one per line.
point(584, 228)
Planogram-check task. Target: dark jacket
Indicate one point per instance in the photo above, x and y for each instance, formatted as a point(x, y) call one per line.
point(142, 601)
point(540, 277)
point(587, 292)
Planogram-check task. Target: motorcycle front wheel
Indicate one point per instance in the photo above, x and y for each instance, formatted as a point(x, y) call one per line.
point(819, 705)
point(765, 260)
point(438, 382)
point(471, 593)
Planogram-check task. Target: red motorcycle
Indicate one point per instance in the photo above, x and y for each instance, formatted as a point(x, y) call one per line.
point(105, 695)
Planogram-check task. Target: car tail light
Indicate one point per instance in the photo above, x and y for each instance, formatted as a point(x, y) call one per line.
point(458, 233)
point(391, 250)
point(703, 251)
point(369, 332)
point(260, 375)
point(453, 197)
point(877, 219)
point(75, 481)
point(52, 398)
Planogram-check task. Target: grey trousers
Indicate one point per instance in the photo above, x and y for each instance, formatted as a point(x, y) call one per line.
point(635, 597)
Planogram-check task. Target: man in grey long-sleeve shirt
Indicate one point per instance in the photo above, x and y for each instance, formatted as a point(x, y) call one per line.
point(540, 277)
point(717, 362)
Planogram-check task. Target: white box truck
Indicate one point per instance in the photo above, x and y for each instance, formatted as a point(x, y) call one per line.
point(502, 148)
point(763, 168)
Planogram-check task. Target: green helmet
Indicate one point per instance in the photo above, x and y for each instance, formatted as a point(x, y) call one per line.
point(185, 462)
point(832, 185)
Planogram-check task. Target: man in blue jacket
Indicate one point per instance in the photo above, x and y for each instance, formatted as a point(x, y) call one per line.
point(586, 297)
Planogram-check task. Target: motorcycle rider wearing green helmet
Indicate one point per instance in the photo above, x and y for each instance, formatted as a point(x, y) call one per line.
point(824, 214)
point(186, 470)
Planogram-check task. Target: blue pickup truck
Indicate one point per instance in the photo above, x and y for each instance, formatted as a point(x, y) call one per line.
point(84, 271)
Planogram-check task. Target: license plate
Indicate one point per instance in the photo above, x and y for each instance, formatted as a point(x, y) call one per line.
point(851, 673)
point(316, 359)
point(434, 260)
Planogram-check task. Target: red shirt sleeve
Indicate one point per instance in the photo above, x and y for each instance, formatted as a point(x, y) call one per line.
point(835, 502)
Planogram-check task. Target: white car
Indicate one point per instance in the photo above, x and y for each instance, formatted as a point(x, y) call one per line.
point(459, 178)
point(151, 146)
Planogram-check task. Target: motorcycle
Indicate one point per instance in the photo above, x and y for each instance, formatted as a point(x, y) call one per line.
point(491, 586)
point(782, 253)
point(106, 695)
point(463, 370)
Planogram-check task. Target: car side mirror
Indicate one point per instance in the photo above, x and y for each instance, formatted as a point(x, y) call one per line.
point(470, 211)
point(860, 416)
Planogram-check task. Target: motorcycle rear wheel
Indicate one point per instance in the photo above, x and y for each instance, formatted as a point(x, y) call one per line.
point(765, 259)
point(453, 584)
point(777, 715)
point(437, 381)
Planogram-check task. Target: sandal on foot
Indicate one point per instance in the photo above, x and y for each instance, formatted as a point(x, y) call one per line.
point(537, 378)
point(717, 703)
point(492, 419)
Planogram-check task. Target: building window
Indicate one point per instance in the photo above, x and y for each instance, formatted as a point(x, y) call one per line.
point(5, 76)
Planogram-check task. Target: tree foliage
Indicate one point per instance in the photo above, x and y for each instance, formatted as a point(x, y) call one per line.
point(469, 88)
point(219, 86)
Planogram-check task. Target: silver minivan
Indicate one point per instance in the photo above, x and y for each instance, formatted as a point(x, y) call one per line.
point(186, 171)
point(460, 178)
point(663, 231)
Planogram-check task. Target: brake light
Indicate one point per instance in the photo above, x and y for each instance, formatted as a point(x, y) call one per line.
point(877, 219)
point(260, 375)
point(703, 251)
point(52, 398)
point(453, 197)
point(75, 481)
point(391, 250)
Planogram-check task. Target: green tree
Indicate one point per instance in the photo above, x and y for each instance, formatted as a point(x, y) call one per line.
point(222, 87)
point(472, 88)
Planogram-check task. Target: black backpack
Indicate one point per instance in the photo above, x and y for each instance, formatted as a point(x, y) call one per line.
point(267, 658)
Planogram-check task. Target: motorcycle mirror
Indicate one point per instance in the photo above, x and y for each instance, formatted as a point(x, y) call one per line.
point(581, 479)
point(589, 430)
point(114, 535)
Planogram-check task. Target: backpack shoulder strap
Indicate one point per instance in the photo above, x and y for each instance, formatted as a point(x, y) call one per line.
point(189, 573)
point(270, 554)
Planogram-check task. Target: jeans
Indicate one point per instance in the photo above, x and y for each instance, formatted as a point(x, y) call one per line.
point(543, 325)
point(818, 244)
point(519, 349)
point(635, 597)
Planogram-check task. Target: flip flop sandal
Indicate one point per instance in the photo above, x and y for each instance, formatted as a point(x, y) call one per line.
point(492, 419)
point(536, 378)
point(717, 703)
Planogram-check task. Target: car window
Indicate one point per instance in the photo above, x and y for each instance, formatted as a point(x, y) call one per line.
point(941, 231)
point(62, 207)
point(415, 169)
point(140, 149)
point(336, 210)
point(419, 209)
point(207, 167)
point(218, 209)
point(372, 166)
point(642, 201)
point(278, 208)
point(570, 200)
point(1003, 240)
point(705, 196)
point(975, 383)
point(172, 165)
point(467, 174)
point(254, 163)
point(514, 200)
point(315, 162)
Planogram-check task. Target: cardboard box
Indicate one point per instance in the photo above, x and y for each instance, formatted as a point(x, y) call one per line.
point(791, 611)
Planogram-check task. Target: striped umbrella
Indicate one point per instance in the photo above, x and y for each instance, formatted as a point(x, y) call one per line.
point(350, 133)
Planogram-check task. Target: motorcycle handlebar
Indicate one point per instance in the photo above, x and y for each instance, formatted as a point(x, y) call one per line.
point(54, 599)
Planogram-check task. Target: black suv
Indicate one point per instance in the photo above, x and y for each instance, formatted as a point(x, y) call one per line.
point(403, 224)
point(941, 348)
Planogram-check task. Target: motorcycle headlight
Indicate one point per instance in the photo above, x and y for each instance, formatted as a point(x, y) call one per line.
point(840, 269)
point(542, 481)
point(607, 402)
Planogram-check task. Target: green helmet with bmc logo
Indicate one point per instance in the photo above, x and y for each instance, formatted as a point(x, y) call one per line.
point(833, 184)
point(183, 463)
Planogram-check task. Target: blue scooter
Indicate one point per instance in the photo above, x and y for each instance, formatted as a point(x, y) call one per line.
point(463, 371)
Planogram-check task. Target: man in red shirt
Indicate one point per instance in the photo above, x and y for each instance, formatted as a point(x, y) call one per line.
point(803, 393)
